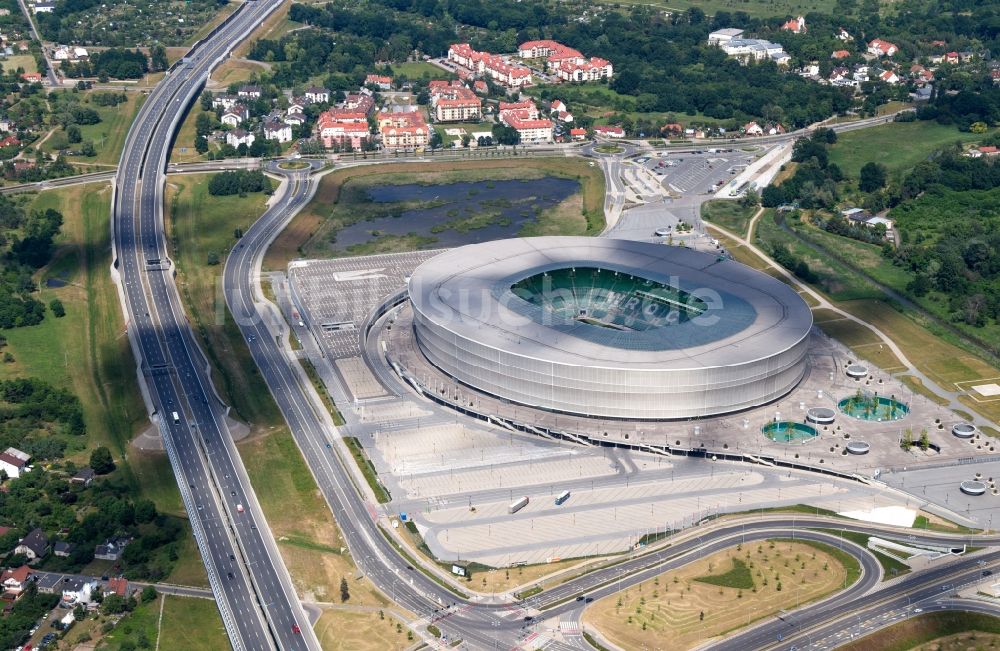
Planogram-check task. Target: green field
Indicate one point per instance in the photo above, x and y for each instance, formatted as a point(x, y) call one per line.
point(730, 215)
point(897, 145)
point(929, 627)
point(756, 8)
point(418, 69)
point(25, 61)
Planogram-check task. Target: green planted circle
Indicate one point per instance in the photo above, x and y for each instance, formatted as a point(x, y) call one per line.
point(786, 431)
point(873, 408)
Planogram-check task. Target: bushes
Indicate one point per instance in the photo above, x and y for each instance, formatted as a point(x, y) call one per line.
point(238, 182)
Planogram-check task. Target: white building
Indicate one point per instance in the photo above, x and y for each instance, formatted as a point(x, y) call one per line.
point(723, 36)
point(239, 137)
point(755, 49)
point(14, 462)
point(277, 131)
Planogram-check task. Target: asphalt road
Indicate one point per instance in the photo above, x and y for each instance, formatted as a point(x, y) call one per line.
point(252, 588)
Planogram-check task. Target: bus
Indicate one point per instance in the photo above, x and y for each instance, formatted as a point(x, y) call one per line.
point(518, 505)
point(562, 497)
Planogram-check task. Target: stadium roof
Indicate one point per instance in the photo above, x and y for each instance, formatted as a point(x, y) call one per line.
point(750, 315)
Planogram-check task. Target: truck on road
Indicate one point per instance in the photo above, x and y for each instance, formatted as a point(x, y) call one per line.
point(562, 497)
point(518, 505)
point(176, 417)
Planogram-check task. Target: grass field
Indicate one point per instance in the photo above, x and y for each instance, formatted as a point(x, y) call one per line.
point(183, 150)
point(897, 145)
point(360, 631)
point(730, 215)
point(24, 61)
point(276, 25)
point(311, 227)
point(916, 633)
point(236, 70)
point(756, 8)
point(108, 135)
point(417, 69)
point(679, 607)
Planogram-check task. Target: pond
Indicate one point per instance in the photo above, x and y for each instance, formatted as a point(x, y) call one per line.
point(448, 215)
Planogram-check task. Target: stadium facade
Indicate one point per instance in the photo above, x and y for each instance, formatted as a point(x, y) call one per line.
point(610, 328)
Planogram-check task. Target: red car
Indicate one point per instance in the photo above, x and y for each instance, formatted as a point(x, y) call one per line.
point(296, 629)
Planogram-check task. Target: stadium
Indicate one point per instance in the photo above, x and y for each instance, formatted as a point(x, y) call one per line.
point(609, 328)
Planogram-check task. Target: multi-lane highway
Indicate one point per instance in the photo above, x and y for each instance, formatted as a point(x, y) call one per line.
point(252, 588)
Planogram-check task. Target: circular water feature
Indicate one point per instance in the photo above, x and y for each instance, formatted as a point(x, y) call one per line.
point(973, 487)
point(858, 447)
point(873, 408)
point(786, 431)
point(964, 430)
point(821, 415)
point(857, 371)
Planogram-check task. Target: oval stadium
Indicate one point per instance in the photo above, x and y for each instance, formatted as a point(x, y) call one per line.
point(610, 328)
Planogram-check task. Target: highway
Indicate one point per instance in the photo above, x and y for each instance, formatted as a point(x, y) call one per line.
point(252, 588)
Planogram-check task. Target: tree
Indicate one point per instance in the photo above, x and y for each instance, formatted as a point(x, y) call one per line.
point(148, 594)
point(158, 58)
point(87, 149)
point(872, 177)
point(101, 461)
point(57, 308)
point(73, 134)
point(345, 590)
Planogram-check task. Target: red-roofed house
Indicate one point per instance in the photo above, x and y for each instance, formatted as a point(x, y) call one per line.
point(382, 82)
point(455, 103)
point(14, 462)
point(32, 77)
point(13, 582)
point(10, 141)
point(951, 57)
point(493, 66)
point(578, 134)
point(567, 63)
point(339, 127)
point(118, 586)
point(480, 87)
point(795, 25)
point(889, 77)
point(840, 54)
point(881, 48)
point(403, 130)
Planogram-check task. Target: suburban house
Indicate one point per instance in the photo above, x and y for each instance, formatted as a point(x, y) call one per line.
point(238, 137)
point(722, 36)
point(753, 129)
point(249, 91)
point(359, 102)
point(62, 548)
point(567, 63)
point(578, 134)
point(277, 131)
point(224, 102)
point(44, 7)
point(880, 48)
point(480, 87)
point(889, 77)
point(32, 77)
point(117, 585)
point(235, 116)
point(403, 130)
point(840, 54)
point(485, 64)
point(83, 477)
point(795, 25)
point(112, 548)
point(381, 82)
point(984, 150)
point(341, 127)
point(34, 546)
point(843, 35)
point(6, 124)
point(76, 591)
point(297, 105)
point(317, 95)
point(14, 462)
point(609, 131)
point(295, 118)
point(14, 581)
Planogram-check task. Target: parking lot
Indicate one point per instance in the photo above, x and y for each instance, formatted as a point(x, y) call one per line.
point(698, 171)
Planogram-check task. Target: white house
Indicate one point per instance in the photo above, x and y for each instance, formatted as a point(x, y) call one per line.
point(239, 137)
point(234, 116)
point(277, 131)
point(14, 462)
point(225, 102)
point(44, 7)
point(33, 546)
point(317, 95)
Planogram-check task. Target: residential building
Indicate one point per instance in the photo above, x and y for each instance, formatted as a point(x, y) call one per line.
point(843, 35)
point(277, 131)
point(295, 118)
point(480, 87)
point(7, 125)
point(755, 49)
point(889, 77)
point(753, 129)
point(317, 95)
point(795, 25)
point(13, 582)
point(723, 36)
point(878, 47)
point(63, 548)
point(609, 131)
point(359, 102)
point(249, 91)
point(578, 134)
point(493, 66)
point(454, 102)
point(585, 70)
point(403, 130)
point(14, 463)
point(526, 105)
point(235, 116)
point(529, 130)
point(112, 548)
point(225, 102)
point(44, 7)
point(382, 82)
point(341, 127)
point(32, 77)
point(239, 137)
point(34, 546)
point(297, 104)
point(117, 585)
point(840, 54)
point(567, 63)
point(76, 591)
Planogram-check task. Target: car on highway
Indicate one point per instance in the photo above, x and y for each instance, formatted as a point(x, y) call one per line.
point(296, 629)
point(239, 508)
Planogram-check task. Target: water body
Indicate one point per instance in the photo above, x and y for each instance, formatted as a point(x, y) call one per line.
point(458, 213)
